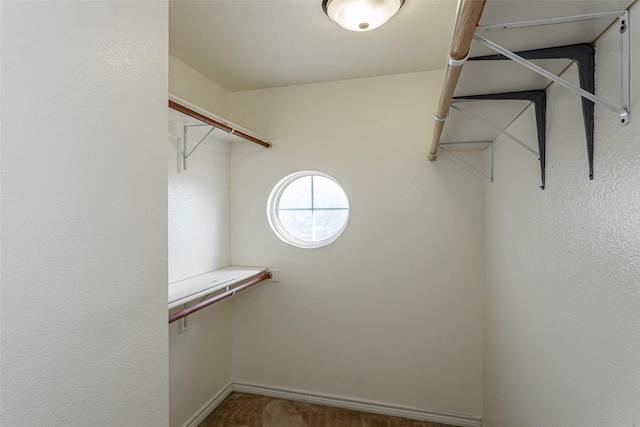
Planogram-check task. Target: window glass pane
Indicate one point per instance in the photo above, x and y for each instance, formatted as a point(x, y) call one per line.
point(298, 223)
point(328, 194)
point(327, 223)
point(308, 209)
point(297, 194)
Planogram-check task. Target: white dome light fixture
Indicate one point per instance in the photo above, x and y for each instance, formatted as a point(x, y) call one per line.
point(361, 15)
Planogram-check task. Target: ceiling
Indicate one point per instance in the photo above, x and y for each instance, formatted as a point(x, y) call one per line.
point(254, 44)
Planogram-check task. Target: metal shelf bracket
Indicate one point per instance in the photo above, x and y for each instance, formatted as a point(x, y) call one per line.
point(583, 55)
point(185, 143)
point(489, 144)
point(623, 20)
point(538, 99)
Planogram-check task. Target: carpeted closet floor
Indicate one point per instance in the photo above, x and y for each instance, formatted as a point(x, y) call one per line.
point(248, 410)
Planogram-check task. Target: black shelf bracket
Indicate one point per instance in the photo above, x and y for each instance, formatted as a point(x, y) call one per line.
point(583, 55)
point(539, 100)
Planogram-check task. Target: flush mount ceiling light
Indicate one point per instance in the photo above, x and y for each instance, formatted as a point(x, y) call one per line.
point(361, 15)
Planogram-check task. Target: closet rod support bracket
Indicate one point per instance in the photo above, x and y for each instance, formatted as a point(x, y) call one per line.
point(490, 144)
point(185, 144)
point(625, 117)
point(457, 62)
point(625, 66)
point(539, 70)
point(184, 322)
point(493, 126)
point(623, 18)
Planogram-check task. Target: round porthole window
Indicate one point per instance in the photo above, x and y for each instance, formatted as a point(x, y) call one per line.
point(308, 209)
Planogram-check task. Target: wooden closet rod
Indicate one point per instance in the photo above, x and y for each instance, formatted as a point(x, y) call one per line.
point(207, 302)
point(467, 18)
point(189, 112)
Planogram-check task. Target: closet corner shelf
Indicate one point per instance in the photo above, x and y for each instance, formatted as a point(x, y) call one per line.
point(206, 118)
point(188, 290)
point(578, 49)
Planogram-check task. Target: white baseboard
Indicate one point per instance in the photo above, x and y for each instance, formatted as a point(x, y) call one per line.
point(376, 408)
point(210, 406)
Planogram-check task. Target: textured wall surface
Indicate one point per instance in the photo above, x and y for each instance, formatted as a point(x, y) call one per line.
point(198, 205)
point(200, 358)
point(562, 332)
point(385, 313)
point(199, 361)
point(84, 214)
point(190, 85)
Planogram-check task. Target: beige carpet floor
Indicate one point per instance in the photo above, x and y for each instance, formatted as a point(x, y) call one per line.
point(248, 410)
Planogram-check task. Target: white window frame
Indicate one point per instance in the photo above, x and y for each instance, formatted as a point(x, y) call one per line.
point(274, 219)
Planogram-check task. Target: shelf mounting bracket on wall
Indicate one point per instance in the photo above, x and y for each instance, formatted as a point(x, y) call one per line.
point(583, 55)
point(540, 112)
point(623, 19)
point(185, 143)
point(538, 99)
point(489, 144)
point(208, 121)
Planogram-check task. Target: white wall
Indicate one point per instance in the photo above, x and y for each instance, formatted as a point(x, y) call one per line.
point(200, 357)
point(392, 311)
point(199, 361)
point(188, 84)
point(198, 205)
point(563, 296)
point(84, 214)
